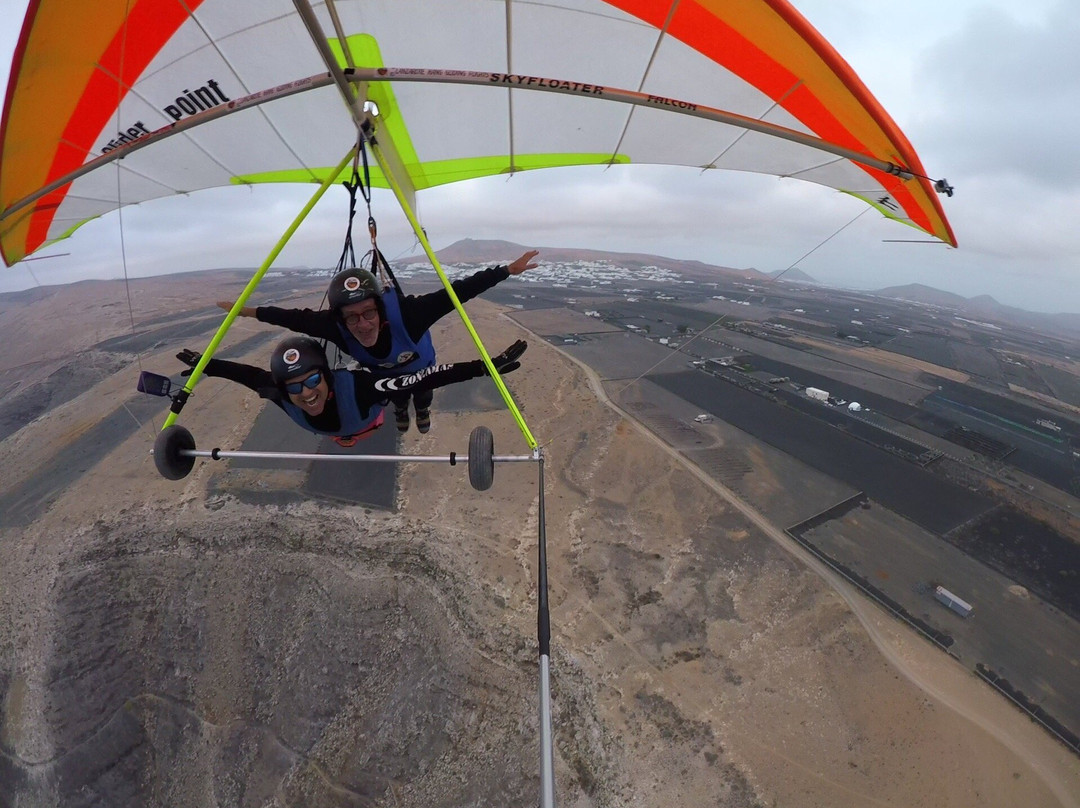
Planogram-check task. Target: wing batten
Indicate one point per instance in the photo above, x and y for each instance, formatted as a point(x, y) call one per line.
point(550, 85)
point(882, 170)
point(56, 186)
point(758, 59)
point(772, 46)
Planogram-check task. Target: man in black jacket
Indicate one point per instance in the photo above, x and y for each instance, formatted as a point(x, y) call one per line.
point(385, 330)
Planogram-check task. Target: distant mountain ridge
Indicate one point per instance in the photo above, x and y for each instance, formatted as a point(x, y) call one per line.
point(792, 275)
point(980, 306)
point(477, 251)
point(920, 293)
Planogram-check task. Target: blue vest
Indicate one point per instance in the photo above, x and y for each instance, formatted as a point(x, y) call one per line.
point(405, 356)
point(345, 399)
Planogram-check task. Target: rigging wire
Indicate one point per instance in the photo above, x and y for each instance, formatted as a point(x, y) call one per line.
point(410, 249)
point(120, 225)
point(37, 283)
point(723, 317)
point(120, 218)
point(127, 290)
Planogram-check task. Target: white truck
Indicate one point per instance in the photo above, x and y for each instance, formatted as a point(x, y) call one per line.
point(961, 607)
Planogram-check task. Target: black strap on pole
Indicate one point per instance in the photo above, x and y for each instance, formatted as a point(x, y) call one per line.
point(384, 266)
point(348, 253)
point(543, 616)
point(355, 183)
point(378, 264)
point(363, 185)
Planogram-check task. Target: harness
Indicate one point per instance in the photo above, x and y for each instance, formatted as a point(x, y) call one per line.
point(348, 441)
point(351, 421)
point(405, 355)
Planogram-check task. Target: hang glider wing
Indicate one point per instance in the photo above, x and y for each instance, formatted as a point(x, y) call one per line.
point(187, 96)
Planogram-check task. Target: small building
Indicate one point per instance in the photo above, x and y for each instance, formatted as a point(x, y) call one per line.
point(961, 607)
point(855, 406)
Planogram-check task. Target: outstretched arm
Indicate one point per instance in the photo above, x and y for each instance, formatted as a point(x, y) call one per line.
point(319, 324)
point(422, 312)
point(435, 376)
point(246, 311)
point(251, 377)
point(525, 261)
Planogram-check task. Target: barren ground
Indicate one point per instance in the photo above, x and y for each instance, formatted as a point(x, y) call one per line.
point(160, 645)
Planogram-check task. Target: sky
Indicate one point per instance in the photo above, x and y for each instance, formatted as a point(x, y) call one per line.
point(987, 92)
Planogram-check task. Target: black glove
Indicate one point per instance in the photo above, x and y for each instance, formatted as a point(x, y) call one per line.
point(190, 358)
point(506, 362)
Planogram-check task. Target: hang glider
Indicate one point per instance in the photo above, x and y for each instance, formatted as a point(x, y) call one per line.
point(186, 96)
point(182, 96)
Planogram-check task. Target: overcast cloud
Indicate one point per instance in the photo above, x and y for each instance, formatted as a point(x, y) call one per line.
point(987, 91)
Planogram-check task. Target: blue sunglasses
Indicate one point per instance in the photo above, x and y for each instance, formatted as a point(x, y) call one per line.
point(311, 382)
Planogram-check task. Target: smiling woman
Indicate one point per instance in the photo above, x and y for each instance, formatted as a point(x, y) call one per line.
point(344, 404)
point(309, 382)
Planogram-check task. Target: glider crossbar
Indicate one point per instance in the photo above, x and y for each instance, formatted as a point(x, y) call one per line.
point(241, 301)
point(511, 405)
point(516, 81)
point(360, 76)
point(452, 459)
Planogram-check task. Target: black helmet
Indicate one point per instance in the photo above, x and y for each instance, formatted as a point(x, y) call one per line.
point(352, 286)
point(295, 356)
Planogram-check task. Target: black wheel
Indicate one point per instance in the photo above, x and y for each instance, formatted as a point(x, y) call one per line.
point(481, 460)
point(170, 463)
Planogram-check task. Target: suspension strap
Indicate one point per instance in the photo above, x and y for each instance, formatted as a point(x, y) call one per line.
point(241, 301)
point(354, 184)
point(384, 266)
point(374, 258)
